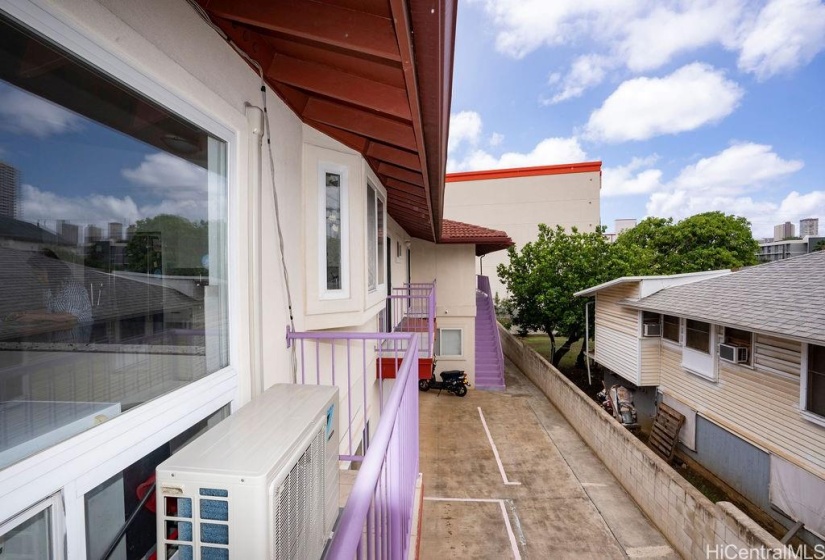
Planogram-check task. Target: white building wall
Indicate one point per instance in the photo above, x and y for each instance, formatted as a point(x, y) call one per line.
point(454, 268)
point(517, 205)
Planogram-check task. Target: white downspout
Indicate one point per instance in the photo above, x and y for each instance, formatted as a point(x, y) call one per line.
point(255, 118)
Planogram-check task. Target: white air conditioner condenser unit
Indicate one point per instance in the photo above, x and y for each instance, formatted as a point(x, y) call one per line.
point(733, 354)
point(261, 484)
point(652, 329)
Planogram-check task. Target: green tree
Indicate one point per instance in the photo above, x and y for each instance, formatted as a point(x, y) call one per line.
point(820, 245)
point(708, 241)
point(167, 244)
point(544, 275)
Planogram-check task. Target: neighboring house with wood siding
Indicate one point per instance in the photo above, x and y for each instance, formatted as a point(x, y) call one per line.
point(742, 356)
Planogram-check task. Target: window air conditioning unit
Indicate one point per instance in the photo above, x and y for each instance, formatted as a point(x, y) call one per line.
point(733, 354)
point(263, 483)
point(652, 329)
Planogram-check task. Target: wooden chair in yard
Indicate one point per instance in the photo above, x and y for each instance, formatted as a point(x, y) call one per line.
point(665, 432)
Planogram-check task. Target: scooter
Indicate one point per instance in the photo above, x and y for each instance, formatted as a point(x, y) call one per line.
point(453, 381)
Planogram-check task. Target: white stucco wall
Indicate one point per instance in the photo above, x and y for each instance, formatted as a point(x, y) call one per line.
point(454, 268)
point(518, 204)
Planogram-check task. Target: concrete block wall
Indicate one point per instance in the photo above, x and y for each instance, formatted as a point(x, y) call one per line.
point(696, 527)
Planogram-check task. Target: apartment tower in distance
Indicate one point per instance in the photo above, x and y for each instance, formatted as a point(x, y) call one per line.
point(808, 226)
point(783, 231)
point(9, 190)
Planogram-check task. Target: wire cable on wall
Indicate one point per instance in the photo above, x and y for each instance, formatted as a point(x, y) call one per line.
point(267, 132)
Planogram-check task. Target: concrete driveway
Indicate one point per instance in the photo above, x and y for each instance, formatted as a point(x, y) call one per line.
point(505, 476)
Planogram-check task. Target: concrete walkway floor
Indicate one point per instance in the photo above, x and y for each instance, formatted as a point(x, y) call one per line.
point(547, 496)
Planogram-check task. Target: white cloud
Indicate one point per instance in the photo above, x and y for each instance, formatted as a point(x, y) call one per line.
point(550, 151)
point(741, 167)
point(692, 96)
point(586, 72)
point(44, 205)
point(523, 26)
point(465, 128)
point(466, 155)
point(24, 113)
point(738, 180)
point(169, 176)
point(172, 185)
point(787, 34)
point(652, 41)
point(769, 36)
point(629, 180)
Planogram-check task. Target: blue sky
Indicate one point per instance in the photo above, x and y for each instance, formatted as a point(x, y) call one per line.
point(72, 168)
point(690, 105)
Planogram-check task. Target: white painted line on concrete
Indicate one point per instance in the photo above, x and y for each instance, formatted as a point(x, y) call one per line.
point(495, 452)
point(649, 551)
point(510, 534)
point(593, 485)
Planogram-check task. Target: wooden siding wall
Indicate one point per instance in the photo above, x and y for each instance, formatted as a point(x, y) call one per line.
point(758, 404)
point(617, 332)
point(651, 363)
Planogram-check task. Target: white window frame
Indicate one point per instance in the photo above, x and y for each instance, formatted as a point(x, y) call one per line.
point(77, 465)
point(379, 255)
point(461, 337)
point(57, 528)
point(751, 364)
point(696, 362)
point(342, 171)
point(803, 390)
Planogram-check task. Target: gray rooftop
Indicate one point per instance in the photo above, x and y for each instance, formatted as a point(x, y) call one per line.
point(784, 297)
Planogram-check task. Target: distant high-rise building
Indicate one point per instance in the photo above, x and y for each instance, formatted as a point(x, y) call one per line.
point(809, 226)
point(9, 190)
point(115, 231)
point(68, 233)
point(93, 234)
point(783, 231)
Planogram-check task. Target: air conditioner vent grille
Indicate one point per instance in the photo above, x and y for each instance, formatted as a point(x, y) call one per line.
point(299, 506)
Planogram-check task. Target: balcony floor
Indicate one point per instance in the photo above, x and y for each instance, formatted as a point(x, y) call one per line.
point(567, 505)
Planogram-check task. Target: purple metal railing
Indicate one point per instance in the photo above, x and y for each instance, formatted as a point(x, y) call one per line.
point(377, 519)
point(484, 286)
point(411, 308)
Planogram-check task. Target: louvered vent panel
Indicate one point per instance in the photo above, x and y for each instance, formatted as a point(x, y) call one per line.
point(299, 507)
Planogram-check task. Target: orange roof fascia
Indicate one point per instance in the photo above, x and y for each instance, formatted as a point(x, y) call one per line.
point(564, 169)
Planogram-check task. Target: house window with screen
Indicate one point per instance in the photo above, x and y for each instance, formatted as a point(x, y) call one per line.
point(816, 380)
point(113, 254)
point(449, 343)
point(697, 335)
point(376, 253)
point(742, 339)
point(670, 328)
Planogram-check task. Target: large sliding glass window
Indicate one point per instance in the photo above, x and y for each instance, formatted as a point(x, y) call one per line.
point(113, 215)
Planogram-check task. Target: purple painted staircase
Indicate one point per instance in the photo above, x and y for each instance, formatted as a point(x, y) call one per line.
point(489, 358)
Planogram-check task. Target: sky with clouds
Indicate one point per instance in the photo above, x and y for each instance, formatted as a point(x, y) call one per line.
point(691, 105)
point(72, 168)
